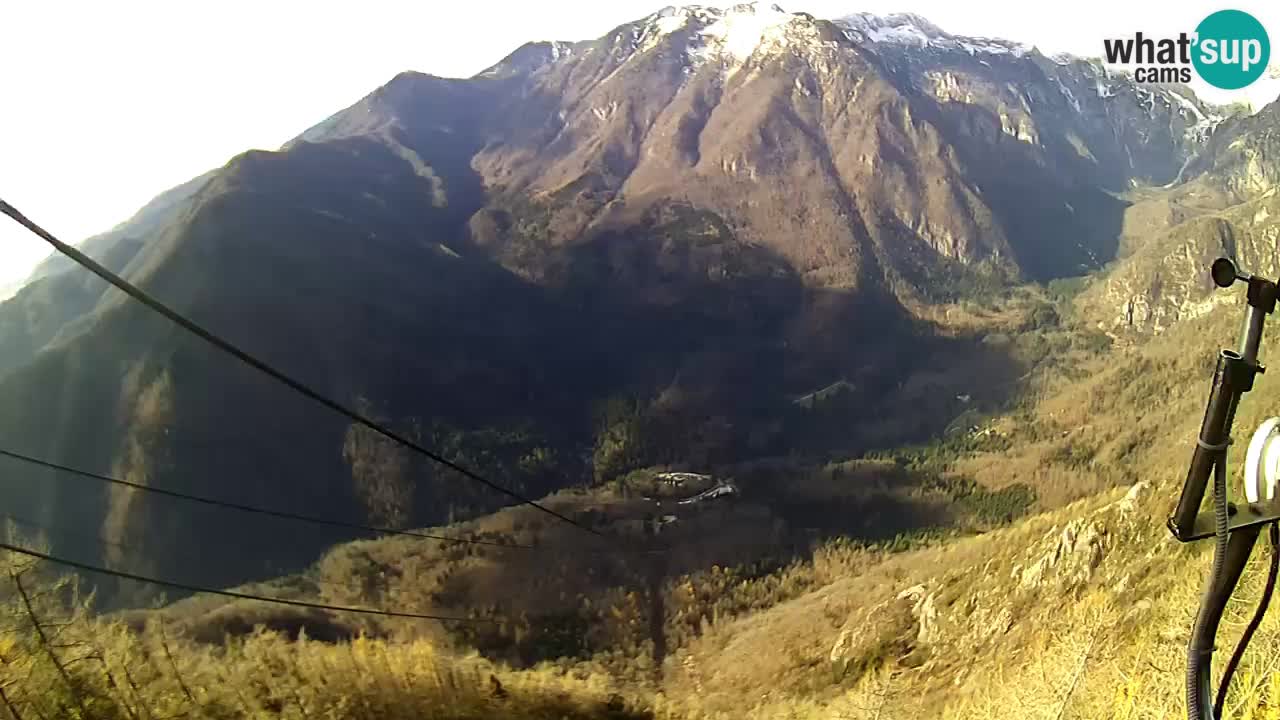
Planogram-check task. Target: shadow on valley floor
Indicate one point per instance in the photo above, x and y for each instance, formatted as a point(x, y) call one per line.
point(667, 343)
point(566, 602)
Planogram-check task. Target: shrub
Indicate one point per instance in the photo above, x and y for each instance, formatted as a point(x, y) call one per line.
point(998, 507)
point(1073, 453)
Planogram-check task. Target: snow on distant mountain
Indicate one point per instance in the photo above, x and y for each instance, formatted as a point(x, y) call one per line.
point(913, 30)
point(730, 35)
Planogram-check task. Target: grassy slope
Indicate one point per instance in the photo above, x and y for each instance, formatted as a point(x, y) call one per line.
point(731, 629)
point(1079, 611)
point(1104, 643)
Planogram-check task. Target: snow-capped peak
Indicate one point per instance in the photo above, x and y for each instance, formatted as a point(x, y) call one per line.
point(904, 28)
point(744, 27)
point(731, 34)
point(651, 30)
point(912, 30)
point(736, 33)
point(671, 18)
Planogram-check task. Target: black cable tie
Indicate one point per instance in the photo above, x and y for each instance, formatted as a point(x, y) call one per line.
point(1214, 448)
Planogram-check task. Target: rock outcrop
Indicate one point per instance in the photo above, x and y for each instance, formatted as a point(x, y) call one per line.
point(907, 628)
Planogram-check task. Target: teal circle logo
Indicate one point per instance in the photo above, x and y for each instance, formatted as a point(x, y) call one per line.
point(1231, 49)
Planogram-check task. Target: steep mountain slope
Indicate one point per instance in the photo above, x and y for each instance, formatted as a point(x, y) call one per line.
point(266, 258)
point(1081, 612)
point(161, 211)
point(1049, 140)
point(591, 258)
point(58, 292)
point(720, 107)
point(1242, 158)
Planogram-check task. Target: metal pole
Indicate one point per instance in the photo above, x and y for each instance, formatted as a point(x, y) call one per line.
point(1251, 335)
point(1214, 430)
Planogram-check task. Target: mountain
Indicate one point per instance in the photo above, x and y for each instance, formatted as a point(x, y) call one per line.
point(57, 294)
point(591, 258)
point(1224, 204)
point(162, 210)
point(933, 306)
point(1242, 157)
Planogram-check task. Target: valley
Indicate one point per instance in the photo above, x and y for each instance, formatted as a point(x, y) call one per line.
point(927, 316)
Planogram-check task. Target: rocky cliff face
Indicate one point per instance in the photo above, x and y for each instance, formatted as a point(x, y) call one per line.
point(938, 615)
point(1222, 202)
point(1068, 113)
point(1243, 157)
point(1166, 279)
point(1048, 142)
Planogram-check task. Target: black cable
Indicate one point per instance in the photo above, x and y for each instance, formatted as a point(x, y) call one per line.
point(244, 357)
point(231, 593)
point(56, 530)
point(285, 514)
point(45, 528)
point(251, 508)
point(1200, 649)
point(61, 531)
point(1258, 614)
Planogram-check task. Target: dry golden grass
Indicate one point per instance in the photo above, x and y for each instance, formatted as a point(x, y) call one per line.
point(1111, 647)
point(58, 661)
point(743, 641)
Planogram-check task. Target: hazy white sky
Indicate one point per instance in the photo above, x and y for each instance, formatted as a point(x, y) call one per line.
point(105, 104)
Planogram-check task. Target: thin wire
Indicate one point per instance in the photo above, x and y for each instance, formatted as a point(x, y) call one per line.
point(58, 530)
point(62, 531)
point(244, 357)
point(233, 594)
point(251, 508)
point(283, 514)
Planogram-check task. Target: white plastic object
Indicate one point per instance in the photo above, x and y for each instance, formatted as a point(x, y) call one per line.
point(1262, 462)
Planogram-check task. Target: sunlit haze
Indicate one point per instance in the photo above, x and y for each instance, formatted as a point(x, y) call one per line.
point(109, 103)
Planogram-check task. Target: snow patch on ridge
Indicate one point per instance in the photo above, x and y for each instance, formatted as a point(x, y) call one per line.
point(732, 34)
point(670, 19)
point(900, 35)
point(1187, 105)
point(661, 24)
point(907, 29)
point(745, 27)
point(725, 36)
point(560, 49)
